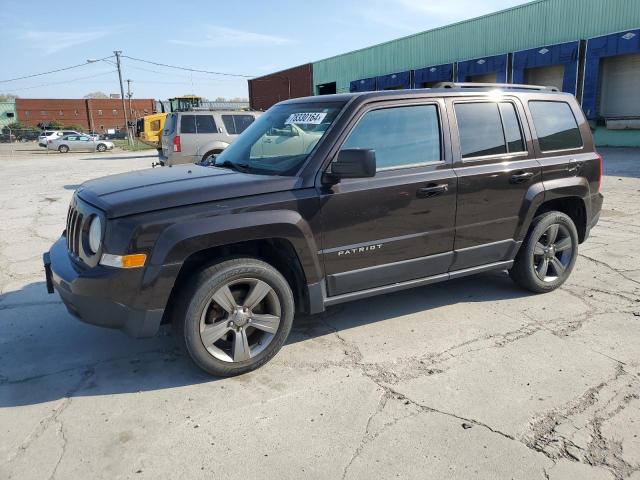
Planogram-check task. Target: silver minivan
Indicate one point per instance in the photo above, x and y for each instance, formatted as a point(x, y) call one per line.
point(190, 137)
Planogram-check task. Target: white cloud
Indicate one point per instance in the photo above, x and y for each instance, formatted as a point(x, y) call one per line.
point(52, 42)
point(217, 36)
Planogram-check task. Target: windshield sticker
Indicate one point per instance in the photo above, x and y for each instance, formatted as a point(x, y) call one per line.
point(314, 118)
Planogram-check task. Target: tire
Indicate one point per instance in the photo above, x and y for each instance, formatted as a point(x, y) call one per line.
point(63, 149)
point(206, 314)
point(546, 259)
point(206, 156)
point(101, 147)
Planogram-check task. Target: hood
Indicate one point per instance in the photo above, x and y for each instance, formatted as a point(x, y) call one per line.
point(167, 187)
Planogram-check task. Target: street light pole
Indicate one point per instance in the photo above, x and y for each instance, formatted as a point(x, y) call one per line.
point(124, 105)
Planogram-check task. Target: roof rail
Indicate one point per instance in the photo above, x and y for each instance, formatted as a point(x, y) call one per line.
point(494, 85)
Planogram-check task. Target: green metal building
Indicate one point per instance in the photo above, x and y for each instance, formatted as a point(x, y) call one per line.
point(590, 48)
point(7, 113)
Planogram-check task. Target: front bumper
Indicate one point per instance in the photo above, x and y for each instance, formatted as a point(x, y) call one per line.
point(97, 295)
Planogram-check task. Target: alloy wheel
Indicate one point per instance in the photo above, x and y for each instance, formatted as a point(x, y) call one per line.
point(240, 320)
point(552, 253)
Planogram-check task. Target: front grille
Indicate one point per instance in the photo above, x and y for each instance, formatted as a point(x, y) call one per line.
point(74, 229)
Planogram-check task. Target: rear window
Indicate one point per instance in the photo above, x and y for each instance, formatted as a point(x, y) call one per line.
point(197, 124)
point(555, 125)
point(236, 124)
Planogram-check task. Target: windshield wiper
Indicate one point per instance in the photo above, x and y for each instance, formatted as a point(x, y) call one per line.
point(238, 167)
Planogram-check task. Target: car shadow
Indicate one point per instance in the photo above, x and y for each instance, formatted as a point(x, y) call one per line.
point(106, 156)
point(46, 354)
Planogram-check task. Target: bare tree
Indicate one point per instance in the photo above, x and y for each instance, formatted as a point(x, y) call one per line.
point(96, 95)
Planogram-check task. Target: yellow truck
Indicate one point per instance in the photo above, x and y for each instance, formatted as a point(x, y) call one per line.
point(149, 128)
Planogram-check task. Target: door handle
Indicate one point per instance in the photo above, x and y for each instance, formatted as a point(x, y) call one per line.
point(432, 190)
point(521, 177)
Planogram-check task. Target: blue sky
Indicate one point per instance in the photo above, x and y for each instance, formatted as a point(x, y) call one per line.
point(245, 37)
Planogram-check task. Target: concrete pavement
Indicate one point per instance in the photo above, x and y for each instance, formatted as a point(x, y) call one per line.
point(473, 378)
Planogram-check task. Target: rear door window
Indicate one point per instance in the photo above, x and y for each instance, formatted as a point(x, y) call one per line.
point(197, 124)
point(555, 125)
point(480, 129)
point(236, 124)
point(489, 128)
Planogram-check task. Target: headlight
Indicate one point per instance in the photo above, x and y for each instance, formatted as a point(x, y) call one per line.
point(95, 235)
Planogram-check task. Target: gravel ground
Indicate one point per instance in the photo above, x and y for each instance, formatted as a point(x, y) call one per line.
point(469, 379)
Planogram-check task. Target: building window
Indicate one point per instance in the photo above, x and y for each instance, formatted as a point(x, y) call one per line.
point(115, 112)
point(100, 112)
point(61, 113)
point(43, 113)
point(27, 113)
point(101, 127)
point(75, 113)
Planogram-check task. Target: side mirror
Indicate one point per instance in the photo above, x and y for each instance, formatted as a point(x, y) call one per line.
point(353, 163)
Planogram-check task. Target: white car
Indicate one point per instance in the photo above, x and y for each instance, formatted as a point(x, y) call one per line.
point(79, 143)
point(48, 135)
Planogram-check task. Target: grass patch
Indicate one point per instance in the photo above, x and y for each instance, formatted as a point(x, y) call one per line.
point(137, 146)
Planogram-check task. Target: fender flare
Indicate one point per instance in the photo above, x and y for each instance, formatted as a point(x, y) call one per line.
point(542, 192)
point(180, 241)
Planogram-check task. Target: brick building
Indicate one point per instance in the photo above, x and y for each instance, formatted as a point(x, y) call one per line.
point(93, 114)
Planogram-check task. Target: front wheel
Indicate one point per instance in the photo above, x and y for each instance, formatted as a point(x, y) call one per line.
point(548, 254)
point(234, 316)
point(102, 147)
point(63, 149)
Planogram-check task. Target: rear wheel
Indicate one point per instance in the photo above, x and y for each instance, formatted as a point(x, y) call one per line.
point(101, 147)
point(209, 156)
point(548, 253)
point(234, 316)
point(63, 149)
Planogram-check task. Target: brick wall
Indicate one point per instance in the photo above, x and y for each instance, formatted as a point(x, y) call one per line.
point(91, 114)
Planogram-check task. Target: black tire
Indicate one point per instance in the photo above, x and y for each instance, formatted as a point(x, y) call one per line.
point(63, 149)
point(101, 147)
point(207, 155)
point(529, 269)
point(195, 304)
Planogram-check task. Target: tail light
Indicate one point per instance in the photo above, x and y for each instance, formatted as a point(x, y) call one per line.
point(176, 144)
point(599, 171)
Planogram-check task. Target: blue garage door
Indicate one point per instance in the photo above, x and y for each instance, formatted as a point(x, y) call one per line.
point(565, 54)
point(363, 85)
point(485, 66)
point(394, 81)
point(426, 77)
point(599, 48)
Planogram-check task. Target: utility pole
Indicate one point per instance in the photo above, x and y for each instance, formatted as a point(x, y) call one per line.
point(124, 105)
point(129, 94)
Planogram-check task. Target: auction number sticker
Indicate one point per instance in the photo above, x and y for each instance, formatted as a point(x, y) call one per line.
point(314, 118)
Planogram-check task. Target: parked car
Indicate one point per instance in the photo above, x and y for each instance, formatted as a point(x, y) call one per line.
point(45, 136)
point(79, 143)
point(28, 135)
point(7, 138)
point(399, 189)
point(194, 136)
point(117, 135)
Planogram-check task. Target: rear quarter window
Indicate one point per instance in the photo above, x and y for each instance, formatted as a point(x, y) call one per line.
point(556, 126)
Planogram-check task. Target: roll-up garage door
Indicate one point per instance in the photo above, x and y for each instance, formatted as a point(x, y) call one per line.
point(551, 76)
point(486, 78)
point(620, 90)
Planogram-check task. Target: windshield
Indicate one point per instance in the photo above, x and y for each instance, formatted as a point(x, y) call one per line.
point(280, 140)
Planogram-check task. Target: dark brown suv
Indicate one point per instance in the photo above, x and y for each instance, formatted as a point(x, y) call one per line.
point(328, 199)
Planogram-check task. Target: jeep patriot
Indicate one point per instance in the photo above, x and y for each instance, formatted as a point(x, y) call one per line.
point(328, 199)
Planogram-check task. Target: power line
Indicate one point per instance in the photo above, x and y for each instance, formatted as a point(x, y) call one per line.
point(188, 69)
point(51, 71)
point(64, 81)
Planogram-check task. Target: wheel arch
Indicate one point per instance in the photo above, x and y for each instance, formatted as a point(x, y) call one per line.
point(277, 252)
point(573, 207)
